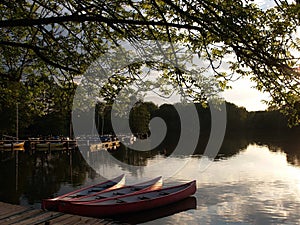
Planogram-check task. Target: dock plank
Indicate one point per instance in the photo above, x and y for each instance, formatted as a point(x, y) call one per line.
point(38, 218)
point(21, 215)
point(6, 207)
point(59, 220)
point(14, 213)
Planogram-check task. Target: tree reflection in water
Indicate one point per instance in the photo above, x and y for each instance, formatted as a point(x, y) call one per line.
point(27, 178)
point(40, 175)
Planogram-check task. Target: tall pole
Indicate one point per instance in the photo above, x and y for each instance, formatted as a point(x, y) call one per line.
point(17, 122)
point(70, 127)
point(102, 124)
point(102, 117)
point(17, 169)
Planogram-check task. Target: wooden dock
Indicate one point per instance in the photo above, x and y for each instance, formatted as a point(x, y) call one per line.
point(16, 214)
point(57, 145)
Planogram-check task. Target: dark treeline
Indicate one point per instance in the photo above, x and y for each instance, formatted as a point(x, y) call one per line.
point(240, 125)
point(41, 105)
point(57, 122)
point(238, 119)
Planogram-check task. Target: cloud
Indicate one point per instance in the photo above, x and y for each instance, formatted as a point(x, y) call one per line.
point(243, 93)
point(266, 4)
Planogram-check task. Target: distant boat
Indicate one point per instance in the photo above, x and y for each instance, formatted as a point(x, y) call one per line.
point(15, 145)
point(133, 202)
point(52, 204)
point(111, 145)
point(154, 184)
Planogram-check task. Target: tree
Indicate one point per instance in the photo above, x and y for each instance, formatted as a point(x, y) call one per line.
point(151, 108)
point(63, 37)
point(236, 117)
point(139, 119)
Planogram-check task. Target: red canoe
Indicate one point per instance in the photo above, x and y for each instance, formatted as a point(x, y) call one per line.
point(134, 202)
point(154, 184)
point(52, 204)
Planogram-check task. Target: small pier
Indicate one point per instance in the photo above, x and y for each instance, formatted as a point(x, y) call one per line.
point(56, 145)
point(16, 214)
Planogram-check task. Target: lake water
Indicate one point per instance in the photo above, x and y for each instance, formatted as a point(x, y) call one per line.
point(252, 181)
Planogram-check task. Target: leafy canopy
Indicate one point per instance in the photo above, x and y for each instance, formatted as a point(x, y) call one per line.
point(61, 38)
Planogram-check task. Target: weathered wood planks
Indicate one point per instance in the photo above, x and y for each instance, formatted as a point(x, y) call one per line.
point(21, 215)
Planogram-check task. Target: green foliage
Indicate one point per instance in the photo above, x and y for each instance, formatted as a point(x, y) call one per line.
point(139, 119)
point(37, 98)
point(61, 38)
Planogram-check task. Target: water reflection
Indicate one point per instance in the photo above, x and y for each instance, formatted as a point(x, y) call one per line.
point(255, 186)
point(39, 175)
point(161, 161)
point(280, 142)
point(157, 213)
point(253, 180)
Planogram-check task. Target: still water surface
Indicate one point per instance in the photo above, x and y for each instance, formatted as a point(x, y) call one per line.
point(256, 182)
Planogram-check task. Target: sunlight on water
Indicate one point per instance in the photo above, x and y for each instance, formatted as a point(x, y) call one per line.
point(246, 184)
point(255, 186)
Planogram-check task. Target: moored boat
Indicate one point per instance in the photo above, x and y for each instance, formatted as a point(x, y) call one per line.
point(52, 204)
point(134, 202)
point(110, 145)
point(15, 145)
point(154, 184)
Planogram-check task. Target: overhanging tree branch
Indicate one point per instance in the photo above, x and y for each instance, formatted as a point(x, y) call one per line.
point(37, 50)
point(87, 18)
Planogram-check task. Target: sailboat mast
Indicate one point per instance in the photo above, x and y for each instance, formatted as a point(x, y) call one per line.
point(17, 122)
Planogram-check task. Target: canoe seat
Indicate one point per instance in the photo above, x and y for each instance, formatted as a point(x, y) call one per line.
point(118, 193)
point(96, 190)
point(143, 198)
point(109, 185)
point(100, 197)
point(76, 196)
point(120, 201)
point(163, 193)
point(135, 189)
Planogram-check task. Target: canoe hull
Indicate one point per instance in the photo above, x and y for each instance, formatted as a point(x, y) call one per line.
point(106, 210)
point(154, 184)
point(52, 204)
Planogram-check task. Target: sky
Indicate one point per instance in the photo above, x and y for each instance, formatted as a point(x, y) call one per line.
point(244, 94)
